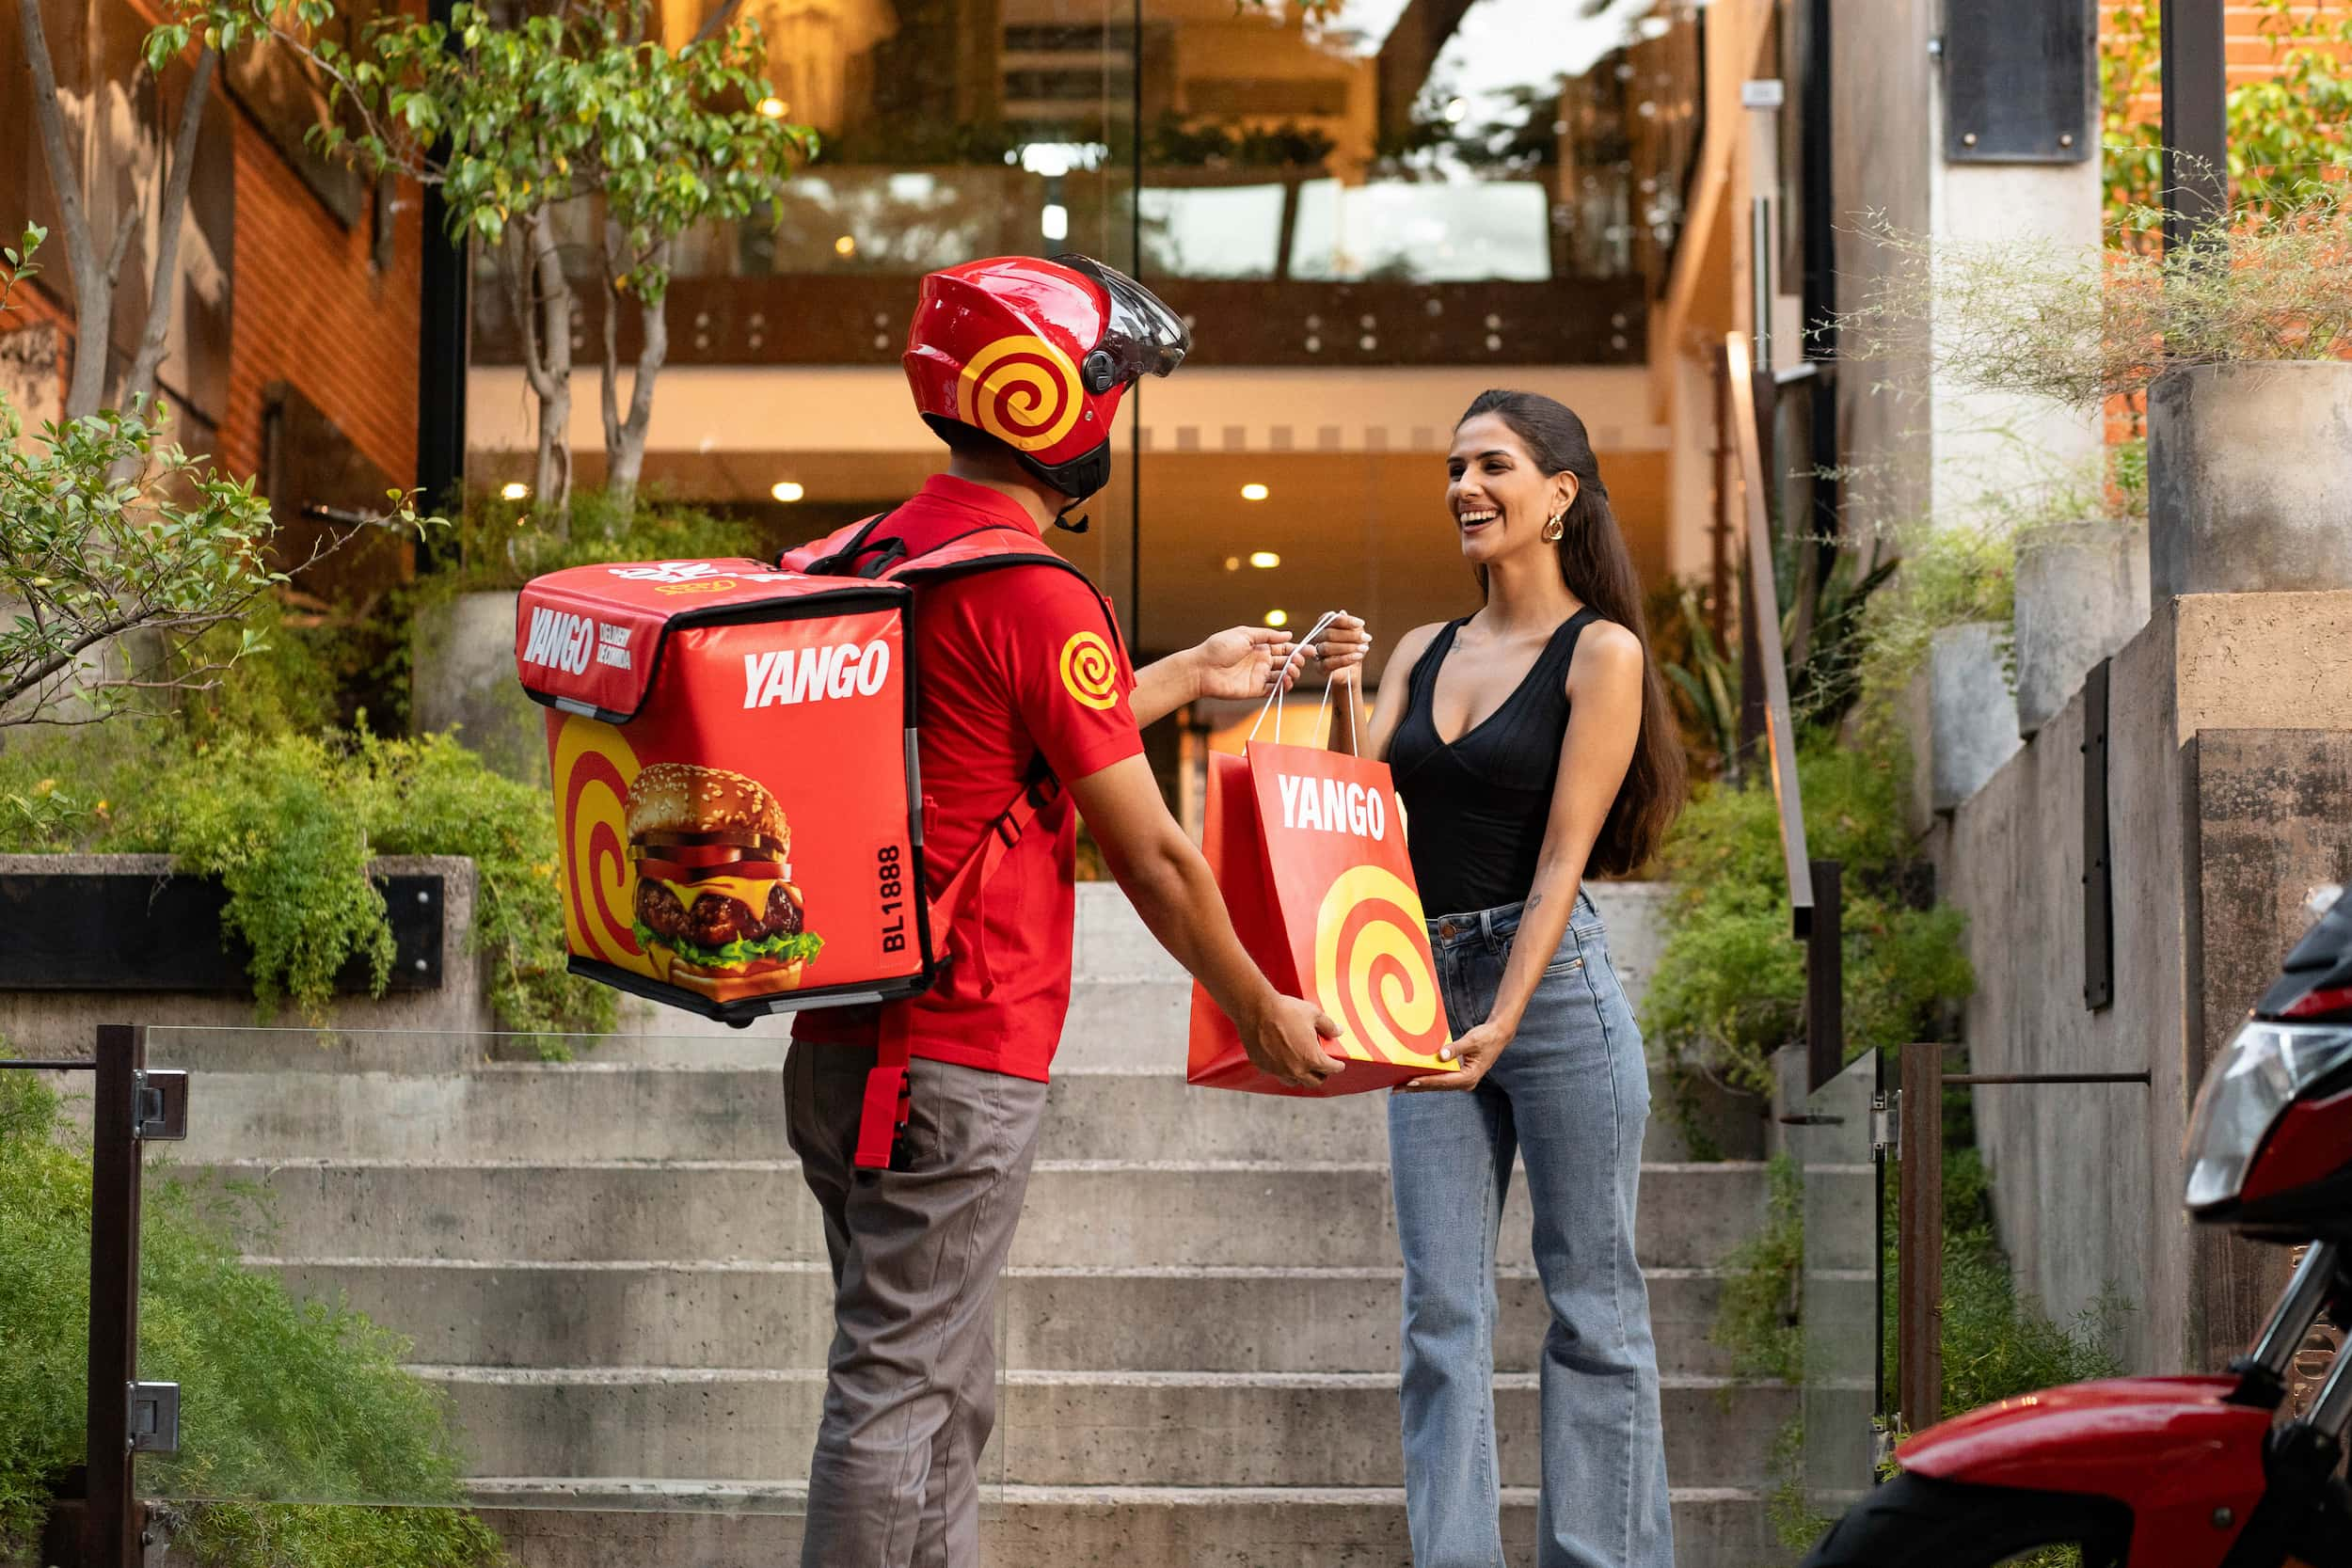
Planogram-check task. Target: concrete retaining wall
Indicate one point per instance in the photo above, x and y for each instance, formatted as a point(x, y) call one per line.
point(429, 1030)
point(2230, 763)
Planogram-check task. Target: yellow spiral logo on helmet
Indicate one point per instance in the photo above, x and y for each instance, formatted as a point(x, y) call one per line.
point(593, 769)
point(1022, 391)
point(1089, 671)
point(1370, 974)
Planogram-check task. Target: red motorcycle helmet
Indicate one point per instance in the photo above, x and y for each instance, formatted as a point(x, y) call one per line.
point(1038, 354)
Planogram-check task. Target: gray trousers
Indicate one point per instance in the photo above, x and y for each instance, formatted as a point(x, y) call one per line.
point(911, 1379)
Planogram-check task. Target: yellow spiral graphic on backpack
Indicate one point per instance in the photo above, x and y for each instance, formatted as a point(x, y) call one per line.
point(1089, 671)
point(1022, 390)
point(593, 769)
point(1370, 971)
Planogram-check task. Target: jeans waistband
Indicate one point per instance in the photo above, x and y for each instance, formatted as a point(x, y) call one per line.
point(1494, 927)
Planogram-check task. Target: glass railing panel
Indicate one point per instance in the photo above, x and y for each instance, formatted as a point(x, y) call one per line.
point(1833, 1148)
point(440, 1270)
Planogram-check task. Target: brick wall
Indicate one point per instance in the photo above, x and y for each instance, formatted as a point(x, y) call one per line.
point(2249, 48)
point(311, 310)
point(309, 306)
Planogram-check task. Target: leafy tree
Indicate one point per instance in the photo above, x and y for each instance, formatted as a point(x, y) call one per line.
point(517, 125)
point(113, 538)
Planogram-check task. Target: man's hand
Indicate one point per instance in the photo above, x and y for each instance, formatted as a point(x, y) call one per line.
point(1475, 1052)
point(1242, 661)
point(1285, 1042)
point(1343, 647)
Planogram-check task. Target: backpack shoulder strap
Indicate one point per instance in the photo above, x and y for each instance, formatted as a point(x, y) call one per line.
point(883, 1114)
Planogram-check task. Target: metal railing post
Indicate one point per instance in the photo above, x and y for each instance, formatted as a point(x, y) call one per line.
point(1825, 976)
point(111, 1525)
point(1919, 1244)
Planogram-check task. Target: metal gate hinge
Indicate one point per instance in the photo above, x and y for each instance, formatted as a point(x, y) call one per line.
point(1886, 1130)
point(159, 1101)
point(155, 1418)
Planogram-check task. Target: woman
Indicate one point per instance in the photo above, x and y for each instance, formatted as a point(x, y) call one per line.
point(1530, 744)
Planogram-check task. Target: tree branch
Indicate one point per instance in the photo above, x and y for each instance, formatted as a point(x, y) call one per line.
point(521, 286)
point(717, 22)
point(140, 383)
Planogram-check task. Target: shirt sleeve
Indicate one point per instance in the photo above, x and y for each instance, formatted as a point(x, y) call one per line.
point(1069, 674)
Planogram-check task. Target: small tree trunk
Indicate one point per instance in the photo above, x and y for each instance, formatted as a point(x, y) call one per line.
point(542, 299)
point(93, 282)
point(139, 384)
point(625, 438)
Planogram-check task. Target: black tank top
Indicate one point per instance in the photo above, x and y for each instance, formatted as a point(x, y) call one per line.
point(1477, 809)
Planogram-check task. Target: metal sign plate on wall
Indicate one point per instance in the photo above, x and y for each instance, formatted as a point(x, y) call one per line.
point(2020, 80)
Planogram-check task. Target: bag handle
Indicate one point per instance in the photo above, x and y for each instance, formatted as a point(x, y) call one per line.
point(1282, 676)
point(1356, 704)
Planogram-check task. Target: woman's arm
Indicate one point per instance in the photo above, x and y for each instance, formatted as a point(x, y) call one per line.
point(1604, 723)
point(1399, 672)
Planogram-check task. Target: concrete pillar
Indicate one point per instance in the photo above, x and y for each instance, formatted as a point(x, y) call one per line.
point(461, 674)
point(1960, 717)
point(2082, 594)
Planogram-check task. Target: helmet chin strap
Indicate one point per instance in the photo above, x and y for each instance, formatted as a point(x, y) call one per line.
point(1061, 519)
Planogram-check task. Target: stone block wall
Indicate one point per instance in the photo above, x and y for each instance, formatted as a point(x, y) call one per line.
point(2230, 770)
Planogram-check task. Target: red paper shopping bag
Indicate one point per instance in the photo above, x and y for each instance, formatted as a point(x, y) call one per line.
point(1309, 854)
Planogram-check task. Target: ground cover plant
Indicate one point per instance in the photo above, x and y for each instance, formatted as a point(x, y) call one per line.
point(285, 1398)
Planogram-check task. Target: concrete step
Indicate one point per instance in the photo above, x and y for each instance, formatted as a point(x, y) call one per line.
point(1055, 1429)
point(1098, 1213)
point(612, 1111)
point(779, 1316)
point(640, 1524)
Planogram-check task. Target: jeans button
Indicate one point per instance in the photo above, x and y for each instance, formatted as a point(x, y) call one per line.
point(1445, 930)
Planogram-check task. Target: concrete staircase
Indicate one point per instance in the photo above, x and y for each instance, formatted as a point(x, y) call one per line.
point(613, 1272)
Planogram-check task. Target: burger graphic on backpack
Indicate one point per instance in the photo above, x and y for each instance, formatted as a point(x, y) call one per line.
point(716, 909)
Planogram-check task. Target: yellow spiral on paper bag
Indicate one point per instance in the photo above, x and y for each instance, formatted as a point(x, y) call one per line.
point(593, 770)
point(1370, 974)
point(1022, 391)
point(1089, 671)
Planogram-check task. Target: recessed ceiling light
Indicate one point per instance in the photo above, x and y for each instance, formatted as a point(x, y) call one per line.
point(1264, 559)
point(774, 108)
point(1278, 617)
point(516, 490)
point(1232, 563)
point(787, 490)
point(845, 246)
point(1253, 492)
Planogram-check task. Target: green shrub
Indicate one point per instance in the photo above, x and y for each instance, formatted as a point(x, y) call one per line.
point(1730, 987)
point(285, 1399)
point(288, 823)
point(498, 544)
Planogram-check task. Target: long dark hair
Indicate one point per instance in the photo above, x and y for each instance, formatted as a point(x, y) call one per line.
point(1598, 570)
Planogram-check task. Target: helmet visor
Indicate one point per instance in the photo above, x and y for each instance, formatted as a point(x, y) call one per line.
point(1143, 335)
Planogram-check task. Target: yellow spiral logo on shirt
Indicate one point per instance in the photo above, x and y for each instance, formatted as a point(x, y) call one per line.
point(1022, 391)
point(593, 770)
point(1089, 671)
point(1370, 974)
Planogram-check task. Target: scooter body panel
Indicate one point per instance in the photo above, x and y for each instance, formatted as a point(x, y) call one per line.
point(2172, 1448)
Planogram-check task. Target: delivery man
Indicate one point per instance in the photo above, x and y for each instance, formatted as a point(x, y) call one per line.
point(1018, 365)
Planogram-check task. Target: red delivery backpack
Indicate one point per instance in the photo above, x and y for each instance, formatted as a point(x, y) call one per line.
point(738, 797)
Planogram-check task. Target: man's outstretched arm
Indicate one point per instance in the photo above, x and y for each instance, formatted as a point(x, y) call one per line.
point(1169, 884)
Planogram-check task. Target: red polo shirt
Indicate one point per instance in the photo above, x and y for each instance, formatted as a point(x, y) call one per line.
point(1013, 663)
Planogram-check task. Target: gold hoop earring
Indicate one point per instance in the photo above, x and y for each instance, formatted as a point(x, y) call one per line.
point(1555, 528)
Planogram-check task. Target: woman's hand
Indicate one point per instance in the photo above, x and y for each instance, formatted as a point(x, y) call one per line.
point(1241, 661)
point(1343, 648)
point(1475, 1052)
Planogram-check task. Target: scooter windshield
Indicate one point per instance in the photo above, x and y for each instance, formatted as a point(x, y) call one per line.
point(1143, 336)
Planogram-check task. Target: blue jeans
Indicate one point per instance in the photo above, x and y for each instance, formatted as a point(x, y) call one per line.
point(1570, 1093)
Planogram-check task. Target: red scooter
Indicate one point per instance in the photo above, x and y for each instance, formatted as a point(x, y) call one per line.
point(2180, 1472)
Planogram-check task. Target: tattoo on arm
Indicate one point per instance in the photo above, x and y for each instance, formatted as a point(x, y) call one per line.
point(1529, 908)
